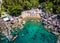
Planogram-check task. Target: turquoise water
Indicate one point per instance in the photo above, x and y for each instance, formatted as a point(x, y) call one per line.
point(34, 32)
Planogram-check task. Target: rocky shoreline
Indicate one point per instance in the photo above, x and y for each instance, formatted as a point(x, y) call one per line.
point(50, 21)
point(8, 26)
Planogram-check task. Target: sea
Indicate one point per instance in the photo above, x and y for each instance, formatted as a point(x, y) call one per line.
point(34, 32)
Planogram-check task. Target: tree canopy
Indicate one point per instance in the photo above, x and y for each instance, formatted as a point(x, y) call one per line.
point(52, 6)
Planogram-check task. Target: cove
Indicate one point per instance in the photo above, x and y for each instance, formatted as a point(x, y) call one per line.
point(34, 32)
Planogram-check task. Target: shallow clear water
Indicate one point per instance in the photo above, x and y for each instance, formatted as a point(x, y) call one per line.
point(34, 32)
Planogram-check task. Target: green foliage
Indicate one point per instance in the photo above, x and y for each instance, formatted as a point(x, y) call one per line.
point(14, 10)
point(43, 4)
point(0, 12)
point(50, 5)
point(2, 8)
point(27, 4)
point(14, 7)
point(58, 9)
point(34, 3)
